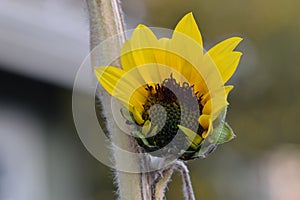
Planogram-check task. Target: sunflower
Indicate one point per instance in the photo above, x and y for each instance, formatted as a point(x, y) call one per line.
point(173, 90)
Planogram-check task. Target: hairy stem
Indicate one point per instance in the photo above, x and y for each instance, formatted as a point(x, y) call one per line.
point(160, 183)
point(106, 20)
point(187, 184)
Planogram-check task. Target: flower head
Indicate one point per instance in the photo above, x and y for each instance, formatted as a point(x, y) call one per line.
point(173, 89)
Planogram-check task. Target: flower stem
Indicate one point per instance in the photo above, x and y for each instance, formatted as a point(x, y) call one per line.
point(106, 20)
point(187, 184)
point(159, 185)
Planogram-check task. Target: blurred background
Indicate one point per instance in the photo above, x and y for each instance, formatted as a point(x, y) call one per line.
point(42, 45)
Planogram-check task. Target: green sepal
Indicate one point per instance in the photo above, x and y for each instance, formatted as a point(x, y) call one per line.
point(193, 138)
point(140, 136)
point(153, 131)
point(205, 150)
point(146, 128)
point(221, 134)
point(127, 115)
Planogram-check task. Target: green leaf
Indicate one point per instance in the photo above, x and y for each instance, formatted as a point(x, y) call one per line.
point(127, 115)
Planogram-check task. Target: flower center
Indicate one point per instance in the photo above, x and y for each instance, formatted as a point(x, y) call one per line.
point(168, 105)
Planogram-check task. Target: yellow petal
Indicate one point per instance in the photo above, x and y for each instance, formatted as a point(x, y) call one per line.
point(188, 26)
point(207, 108)
point(180, 53)
point(222, 91)
point(227, 64)
point(126, 57)
point(225, 58)
point(139, 49)
point(162, 53)
point(204, 134)
point(185, 51)
point(108, 77)
point(137, 116)
point(186, 55)
point(228, 88)
point(225, 46)
point(205, 121)
point(207, 132)
point(214, 106)
point(142, 37)
point(122, 86)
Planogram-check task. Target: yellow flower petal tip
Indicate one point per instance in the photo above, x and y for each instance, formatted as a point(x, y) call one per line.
point(204, 134)
point(142, 26)
point(228, 89)
point(188, 26)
